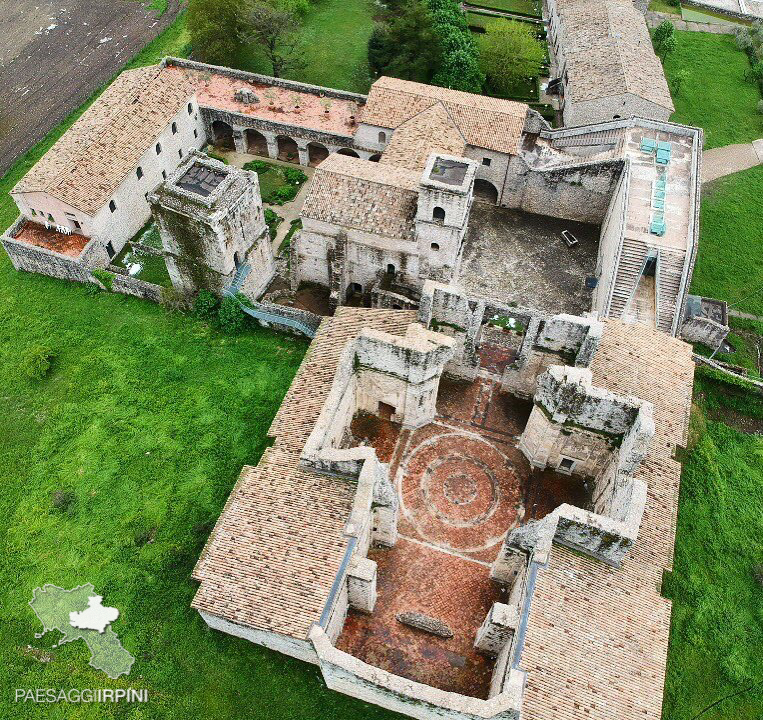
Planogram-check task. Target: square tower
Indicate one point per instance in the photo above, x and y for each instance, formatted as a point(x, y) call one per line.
point(213, 230)
point(442, 214)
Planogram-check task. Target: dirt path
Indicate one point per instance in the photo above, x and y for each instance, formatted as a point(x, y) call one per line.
point(55, 53)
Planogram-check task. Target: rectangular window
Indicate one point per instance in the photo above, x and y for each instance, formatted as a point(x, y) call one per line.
point(110, 249)
point(195, 133)
point(174, 128)
point(34, 212)
point(486, 161)
point(164, 174)
point(112, 206)
point(158, 148)
point(566, 465)
point(180, 153)
point(139, 172)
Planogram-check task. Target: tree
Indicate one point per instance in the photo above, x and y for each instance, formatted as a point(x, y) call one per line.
point(275, 25)
point(664, 39)
point(510, 52)
point(405, 46)
point(214, 29)
point(679, 78)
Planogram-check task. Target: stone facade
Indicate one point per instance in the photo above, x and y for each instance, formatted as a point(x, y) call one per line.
point(211, 221)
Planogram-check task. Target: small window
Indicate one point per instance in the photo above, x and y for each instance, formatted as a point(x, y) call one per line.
point(164, 174)
point(195, 133)
point(139, 172)
point(158, 148)
point(390, 269)
point(112, 206)
point(435, 246)
point(356, 287)
point(174, 128)
point(110, 250)
point(180, 153)
point(486, 162)
point(566, 464)
point(438, 214)
point(616, 117)
point(382, 137)
point(50, 217)
point(34, 212)
point(190, 109)
point(77, 225)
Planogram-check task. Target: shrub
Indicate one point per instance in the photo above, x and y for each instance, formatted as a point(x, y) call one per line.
point(281, 195)
point(206, 305)
point(258, 166)
point(230, 316)
point(63, 499)
point(105, 277)
point(294, 176)
point(36, 361)
point(272, 221)
point(174, 300)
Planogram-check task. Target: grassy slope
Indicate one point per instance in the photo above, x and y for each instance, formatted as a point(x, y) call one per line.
point(731, 228)
point(717, 627)
point(335, 34)
point(715, 95)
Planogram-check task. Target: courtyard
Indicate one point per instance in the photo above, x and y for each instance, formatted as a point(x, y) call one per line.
point(462, 485)
point(520, 258)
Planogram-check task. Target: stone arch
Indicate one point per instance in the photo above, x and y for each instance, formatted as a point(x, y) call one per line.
point(382, 137)
point(288, 151)
point(348, 152)
point(485, 190)
point(222, 135)
point(438, 214)
point(256, 142)
point(375, 158)
point(317, 153)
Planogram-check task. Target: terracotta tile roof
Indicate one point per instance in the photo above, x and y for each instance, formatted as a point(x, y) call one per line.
point(609, 52)
point(597, 637)
point(275, 550)
point(93, 157)
point(362, 195)
point(432, 130)
point(484, 122)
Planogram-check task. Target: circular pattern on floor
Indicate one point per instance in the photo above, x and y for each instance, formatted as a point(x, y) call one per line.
point(460, 491)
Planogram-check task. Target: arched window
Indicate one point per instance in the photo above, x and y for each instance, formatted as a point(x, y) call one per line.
point(390, 269)
point(435, 246)
point(382, 137)
point(438, 214)
point(190, 109)
point(139, 172)
point(174, 128)
point(616, 117)
point(158, 148)
point(112, 206)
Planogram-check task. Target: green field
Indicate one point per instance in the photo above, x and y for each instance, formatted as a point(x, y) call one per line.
point(717, 626)
point(730, 260)
point(335, 34)
point(715, 96)
point(523, 7)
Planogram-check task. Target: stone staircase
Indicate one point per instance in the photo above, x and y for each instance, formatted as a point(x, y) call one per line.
point(629, 268)
point(238, 280)
point(613, 137)
point(670, 265)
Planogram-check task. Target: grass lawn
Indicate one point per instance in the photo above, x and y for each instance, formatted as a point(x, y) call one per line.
point(142, 425)
point(715, 96)
point(730, 260)
point(524, 7)
point(717, 625)
point(663, 6)
point(335, 33)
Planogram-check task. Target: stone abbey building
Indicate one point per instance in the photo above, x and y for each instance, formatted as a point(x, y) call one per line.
point(470, 497)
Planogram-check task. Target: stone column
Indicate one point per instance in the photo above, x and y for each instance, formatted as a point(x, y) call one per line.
point(497, 629)
point(272, 146)
point(361, 584)
point(239, 140)
point(304, 154)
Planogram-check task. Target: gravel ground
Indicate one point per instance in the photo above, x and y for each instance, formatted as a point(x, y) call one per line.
point(55, 53)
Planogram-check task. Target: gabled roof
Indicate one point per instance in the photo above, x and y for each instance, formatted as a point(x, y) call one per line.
point(89, 162)
point(609, 52)
point(363, 195)
point(432, 130)
point(484, 122)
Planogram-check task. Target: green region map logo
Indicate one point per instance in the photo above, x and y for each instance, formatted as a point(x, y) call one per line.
point(79, 615)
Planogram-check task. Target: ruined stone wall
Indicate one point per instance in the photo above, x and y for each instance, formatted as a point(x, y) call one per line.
point(127, 285)
point(610, 240)
point(581, 192)
point(704, 330)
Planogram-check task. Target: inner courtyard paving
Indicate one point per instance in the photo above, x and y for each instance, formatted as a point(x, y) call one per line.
point(462, 485)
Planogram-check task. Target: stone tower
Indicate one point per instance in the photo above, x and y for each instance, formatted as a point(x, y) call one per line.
point(442, 214)
point(212, 224)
